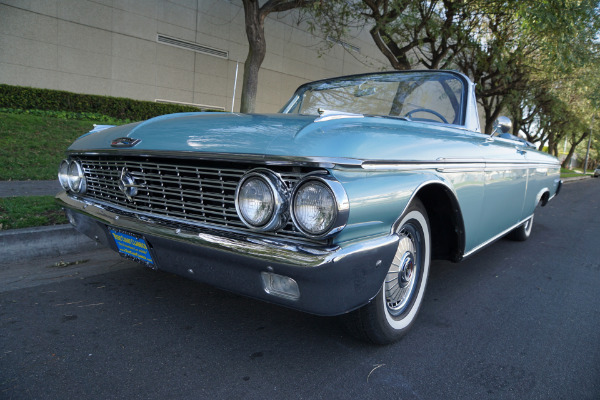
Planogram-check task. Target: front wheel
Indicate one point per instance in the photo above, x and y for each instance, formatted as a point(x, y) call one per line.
point(392, 312)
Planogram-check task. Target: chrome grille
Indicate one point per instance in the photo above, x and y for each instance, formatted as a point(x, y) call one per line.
point(184, 190)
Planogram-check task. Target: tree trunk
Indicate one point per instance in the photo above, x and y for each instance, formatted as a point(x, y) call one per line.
point(492, 110)
point(257, 50)
point(567, 160)
point(574, 145)
point(398, 59)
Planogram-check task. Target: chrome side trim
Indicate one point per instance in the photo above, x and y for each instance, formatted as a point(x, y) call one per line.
point(461, 161)
point(416, 165)
point(502, 166)
point(482, 245)
point(451, 165)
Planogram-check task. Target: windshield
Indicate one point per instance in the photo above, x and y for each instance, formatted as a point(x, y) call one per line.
point(420, 96)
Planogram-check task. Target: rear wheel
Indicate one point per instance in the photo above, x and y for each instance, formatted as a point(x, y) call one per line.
point(392, 312)
point(522, 232)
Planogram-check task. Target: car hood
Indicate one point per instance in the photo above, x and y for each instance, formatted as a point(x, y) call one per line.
point(288, 135)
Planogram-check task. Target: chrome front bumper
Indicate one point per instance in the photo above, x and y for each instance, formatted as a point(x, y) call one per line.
point(331, 281)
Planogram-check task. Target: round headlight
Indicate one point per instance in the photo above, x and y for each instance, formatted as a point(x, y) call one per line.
point(255, 202)
point(76, 179)
point(63, 174)
point(314, 208)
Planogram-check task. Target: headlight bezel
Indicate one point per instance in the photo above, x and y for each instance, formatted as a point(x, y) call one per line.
point(80, 176)
point(279, 194)
point(341, 204)
point(71, 176)
point(63, 174)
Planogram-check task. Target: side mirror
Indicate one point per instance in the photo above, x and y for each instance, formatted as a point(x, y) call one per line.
point(502, 125)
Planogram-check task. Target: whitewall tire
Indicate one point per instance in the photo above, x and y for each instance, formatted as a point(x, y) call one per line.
point(523, 231)
point(392, 312)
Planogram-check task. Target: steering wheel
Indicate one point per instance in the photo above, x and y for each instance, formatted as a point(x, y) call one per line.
point(427, 110)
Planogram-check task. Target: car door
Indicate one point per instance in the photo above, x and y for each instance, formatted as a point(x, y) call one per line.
point(506, 176)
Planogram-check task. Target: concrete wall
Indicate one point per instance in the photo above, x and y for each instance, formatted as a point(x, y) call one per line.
point(110, 47)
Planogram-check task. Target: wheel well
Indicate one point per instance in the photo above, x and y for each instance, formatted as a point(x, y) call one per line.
point(544, 199)
point(445, 218)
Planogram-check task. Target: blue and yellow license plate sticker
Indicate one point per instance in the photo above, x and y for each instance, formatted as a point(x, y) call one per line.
point(132, 246)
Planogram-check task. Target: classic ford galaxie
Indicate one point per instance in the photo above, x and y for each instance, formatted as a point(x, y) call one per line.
point(334, 206)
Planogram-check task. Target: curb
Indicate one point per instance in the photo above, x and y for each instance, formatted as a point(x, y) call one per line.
point(576, 178)
point(42, 241)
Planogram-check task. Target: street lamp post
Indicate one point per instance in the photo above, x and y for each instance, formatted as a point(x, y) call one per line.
point(587, 153)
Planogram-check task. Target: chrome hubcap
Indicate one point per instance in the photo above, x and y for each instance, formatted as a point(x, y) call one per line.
point(402, 276)
point(407, 269)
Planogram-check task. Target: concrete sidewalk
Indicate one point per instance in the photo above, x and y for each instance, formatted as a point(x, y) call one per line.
point(29, 188)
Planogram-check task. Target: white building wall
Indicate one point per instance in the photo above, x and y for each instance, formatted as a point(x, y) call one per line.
point(109, 47)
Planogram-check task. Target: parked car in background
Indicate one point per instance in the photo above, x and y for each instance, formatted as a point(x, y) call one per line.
point(597, 172)
point(334, 206)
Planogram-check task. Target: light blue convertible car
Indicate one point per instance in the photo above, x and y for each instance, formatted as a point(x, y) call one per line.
point(334, 206)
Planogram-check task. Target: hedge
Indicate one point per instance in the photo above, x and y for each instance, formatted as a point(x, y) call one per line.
point(81, 116)
point(27, 98)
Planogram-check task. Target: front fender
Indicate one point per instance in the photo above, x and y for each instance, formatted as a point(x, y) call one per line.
point(378, 198)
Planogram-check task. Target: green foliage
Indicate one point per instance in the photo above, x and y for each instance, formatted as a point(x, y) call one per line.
point(26, 98)
point(411, 34)
point(82, 116)
point(25, 212)
point(512, 49)
point(31, 146)
point(564, 30)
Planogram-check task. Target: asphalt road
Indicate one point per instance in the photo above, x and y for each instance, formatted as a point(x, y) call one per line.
point(514, 321)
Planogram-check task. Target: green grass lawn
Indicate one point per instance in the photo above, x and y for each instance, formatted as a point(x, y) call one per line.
point(31, 147)
point(24, 212)
point(568, 173)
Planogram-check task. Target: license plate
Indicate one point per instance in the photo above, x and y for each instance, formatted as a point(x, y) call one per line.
point(133, 247)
